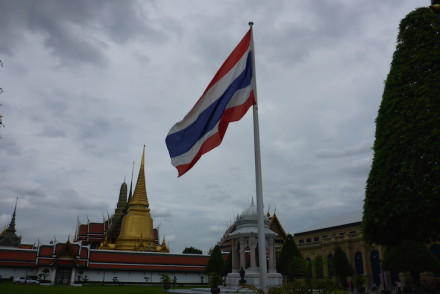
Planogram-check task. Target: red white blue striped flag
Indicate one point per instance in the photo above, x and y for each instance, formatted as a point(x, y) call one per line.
point(226, 99)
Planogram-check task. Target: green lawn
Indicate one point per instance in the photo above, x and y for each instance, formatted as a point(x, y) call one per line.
point(8, 288)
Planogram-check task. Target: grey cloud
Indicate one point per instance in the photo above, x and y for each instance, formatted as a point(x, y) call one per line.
point(358, 168)
point(77, 32)
point(52, 132)
point(25, 190)
point(67, 40)
point(361, 148)
point(161, 212)
point(94, 128)
point(9, 147)
point(11, 25)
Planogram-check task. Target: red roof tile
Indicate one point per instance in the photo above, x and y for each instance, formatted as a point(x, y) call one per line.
point(147, 258)
point(83, 230)
point(96, 228)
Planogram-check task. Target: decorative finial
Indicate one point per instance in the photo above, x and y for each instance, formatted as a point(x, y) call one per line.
point(251, 24)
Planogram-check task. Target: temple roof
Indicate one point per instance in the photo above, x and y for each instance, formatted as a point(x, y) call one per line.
point(250, 212)
point(247, 223)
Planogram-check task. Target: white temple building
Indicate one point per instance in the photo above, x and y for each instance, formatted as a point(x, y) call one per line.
point(245, 251)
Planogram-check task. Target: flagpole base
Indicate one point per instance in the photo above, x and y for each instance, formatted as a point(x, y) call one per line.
point(254, 279)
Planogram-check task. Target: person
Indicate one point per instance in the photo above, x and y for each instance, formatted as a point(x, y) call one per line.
point(373, 287)
point(399, 287)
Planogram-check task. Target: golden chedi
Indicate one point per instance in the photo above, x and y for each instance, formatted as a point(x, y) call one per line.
point(136, 233)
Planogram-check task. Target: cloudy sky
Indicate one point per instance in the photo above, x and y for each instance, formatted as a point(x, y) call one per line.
point(88, 83)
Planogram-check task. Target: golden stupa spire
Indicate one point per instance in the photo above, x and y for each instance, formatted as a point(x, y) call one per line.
point(140, 191)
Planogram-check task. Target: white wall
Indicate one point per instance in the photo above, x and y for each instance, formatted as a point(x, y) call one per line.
point(138, 276)
point(107, 276)
point(7, 272)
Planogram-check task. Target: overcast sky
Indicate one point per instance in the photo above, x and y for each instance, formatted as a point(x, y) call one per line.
point(88, 83)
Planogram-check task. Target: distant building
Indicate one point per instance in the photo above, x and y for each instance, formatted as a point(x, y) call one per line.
point(225, 242)
point(344, 230)
point(130, 228)
point(243, 247)
point(69, 263)
point(8, 237)
point(122, 249)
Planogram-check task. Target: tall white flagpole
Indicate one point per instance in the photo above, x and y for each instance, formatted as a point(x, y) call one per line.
point(258, 181)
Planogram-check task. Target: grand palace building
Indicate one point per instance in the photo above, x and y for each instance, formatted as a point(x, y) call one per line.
point(344, 231)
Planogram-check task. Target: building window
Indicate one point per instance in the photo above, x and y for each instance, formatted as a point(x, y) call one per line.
point(316, 239)
point(308, 240)
point(301, 241)
point(358, 263)
point(330, 267)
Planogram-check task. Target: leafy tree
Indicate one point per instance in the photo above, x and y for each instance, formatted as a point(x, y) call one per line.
point(215, 262)
point(330, 266)
point(410, 256)
point(289, 262)
point(319, 267)
point(341, 265)
point(192, 250)
point(402, 190)
point(44, 273)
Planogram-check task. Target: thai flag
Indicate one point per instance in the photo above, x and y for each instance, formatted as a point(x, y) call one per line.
point(226, 99)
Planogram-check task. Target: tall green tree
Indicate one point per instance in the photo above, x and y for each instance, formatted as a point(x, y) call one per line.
point(341, 265)
point(402, 191)
point(319, 267)
point(290, 262)
point(215, 262)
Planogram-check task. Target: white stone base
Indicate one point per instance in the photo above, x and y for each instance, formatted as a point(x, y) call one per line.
point(253, 278)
